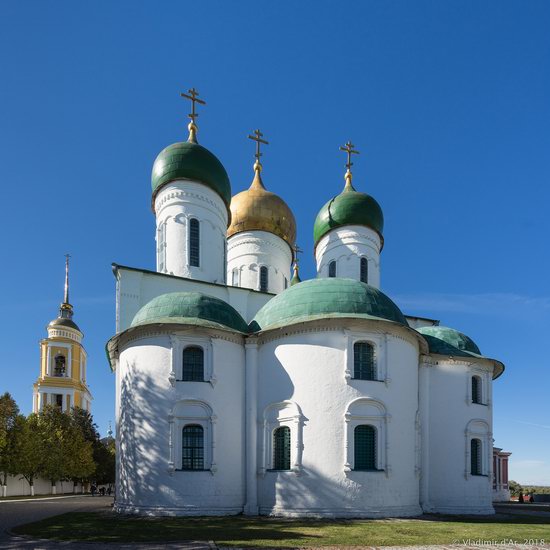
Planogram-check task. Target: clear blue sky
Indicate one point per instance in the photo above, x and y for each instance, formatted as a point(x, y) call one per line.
point(448, 102)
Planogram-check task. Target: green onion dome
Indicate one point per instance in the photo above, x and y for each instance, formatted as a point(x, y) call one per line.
point(324, 299)
point(350, 207)
point(451, 342)
point(448, 341)
point(190, 308)
point(190, 161)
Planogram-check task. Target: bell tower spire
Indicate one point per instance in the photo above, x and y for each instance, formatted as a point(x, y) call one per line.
point(66, 309)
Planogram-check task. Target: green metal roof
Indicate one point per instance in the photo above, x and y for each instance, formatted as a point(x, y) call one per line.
point(348, 208)
point(326, 298)
point(448, 341)
point(190, 308)
point(187, 160)
point(451, 342)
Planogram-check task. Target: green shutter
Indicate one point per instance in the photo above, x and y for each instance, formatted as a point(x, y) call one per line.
point(192, 447)
point(194, 242)
point(476, 387)
point(193, 364)
point(363, 361)
point(281, 448)
point(365, 447)
point(475, 457)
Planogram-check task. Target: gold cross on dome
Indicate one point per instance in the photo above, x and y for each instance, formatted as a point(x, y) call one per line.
point(193, 95)
point(257, 137)
point(349, 149)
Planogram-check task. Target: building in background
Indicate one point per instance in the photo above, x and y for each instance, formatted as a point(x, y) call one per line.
point(501, 490)
point(62, 379)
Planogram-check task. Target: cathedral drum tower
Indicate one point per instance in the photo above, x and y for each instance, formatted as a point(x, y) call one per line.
point(191, 196)
point(62, 379)
point(261, 235)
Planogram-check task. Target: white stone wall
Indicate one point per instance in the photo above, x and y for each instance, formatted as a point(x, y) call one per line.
point(347, 245)
point(18, 486)
point(175, 205)
point(248, 251)
point(135, 288)
point(449, 421)
point(153, 408)
point(303, 384)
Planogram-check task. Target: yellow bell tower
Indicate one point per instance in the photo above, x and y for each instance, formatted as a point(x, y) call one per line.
point(62, 379)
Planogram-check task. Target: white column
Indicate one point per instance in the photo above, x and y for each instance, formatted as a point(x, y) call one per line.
point(251, 404)
point(424, 406)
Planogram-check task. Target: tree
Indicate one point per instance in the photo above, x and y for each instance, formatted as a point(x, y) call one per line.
point(515, 488)
point(9, 428)
point(66, 453)
point(28, 450)
point(103, 451)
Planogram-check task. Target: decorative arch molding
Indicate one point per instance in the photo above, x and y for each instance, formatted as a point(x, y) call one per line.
point(190, 410)
point(275, 415)
point(477, 428)
point(178, 343)
point(373, 412)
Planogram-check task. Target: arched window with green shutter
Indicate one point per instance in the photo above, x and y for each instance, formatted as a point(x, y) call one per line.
point(264, 282)
point(281, 448)
point(364, 441)
point(364, 272)
point(475, 457)
point(193, 364)
point(194, 242)
point(476, 389)
point(192, 447)
point(363, 361)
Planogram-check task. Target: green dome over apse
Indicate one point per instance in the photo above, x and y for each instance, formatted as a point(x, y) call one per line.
point(325, 299)
point(188, 160)
point(448, 341)
point(348, 208)
point(190, 308)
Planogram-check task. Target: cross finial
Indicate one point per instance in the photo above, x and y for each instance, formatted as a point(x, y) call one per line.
point(296, 275)
point(193, 95)
point(257, 137)
point(297, 250)
point(66, 294)
point(349, 149)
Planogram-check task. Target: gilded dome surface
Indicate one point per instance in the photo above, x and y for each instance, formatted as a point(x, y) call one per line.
point(324, 299)
point(191, 161)
point(350, 207)
point(259, 209)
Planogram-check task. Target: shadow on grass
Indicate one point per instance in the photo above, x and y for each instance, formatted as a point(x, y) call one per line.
point(271, 532)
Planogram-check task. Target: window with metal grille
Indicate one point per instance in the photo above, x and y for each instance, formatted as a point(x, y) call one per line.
point(363, 361)
point(332, 269)
point(193, 364)
point(475, 457)
point(263, 278)
point(281, 448)
point(364, 275)
point(59, 368)
point(192, 447)
point(476, 389)
point(194, 242)
point(365, 447)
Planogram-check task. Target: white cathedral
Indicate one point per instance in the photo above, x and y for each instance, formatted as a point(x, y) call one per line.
point(241, 390)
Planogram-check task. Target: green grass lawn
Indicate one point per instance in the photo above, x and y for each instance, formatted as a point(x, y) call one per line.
point(270, 532)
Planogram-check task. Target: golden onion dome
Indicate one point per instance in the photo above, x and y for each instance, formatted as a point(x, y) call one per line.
point(259, 209)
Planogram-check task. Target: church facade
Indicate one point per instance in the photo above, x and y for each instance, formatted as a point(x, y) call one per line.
point(243, 390)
